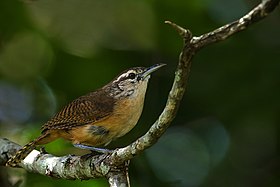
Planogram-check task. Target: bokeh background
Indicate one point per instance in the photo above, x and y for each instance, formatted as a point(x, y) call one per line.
point(226, 132)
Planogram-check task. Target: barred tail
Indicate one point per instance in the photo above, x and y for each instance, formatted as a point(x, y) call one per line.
point(21, 154)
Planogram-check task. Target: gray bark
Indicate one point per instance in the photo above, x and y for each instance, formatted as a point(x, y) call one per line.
point(112, 166)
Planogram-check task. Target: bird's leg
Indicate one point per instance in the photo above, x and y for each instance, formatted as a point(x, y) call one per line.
point(94, 149)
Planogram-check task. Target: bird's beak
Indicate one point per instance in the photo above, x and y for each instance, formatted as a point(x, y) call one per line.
point(151, 69)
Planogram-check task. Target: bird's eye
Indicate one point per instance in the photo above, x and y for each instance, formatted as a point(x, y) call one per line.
point(131, 76)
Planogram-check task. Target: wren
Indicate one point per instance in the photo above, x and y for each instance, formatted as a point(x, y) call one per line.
point(98, 117)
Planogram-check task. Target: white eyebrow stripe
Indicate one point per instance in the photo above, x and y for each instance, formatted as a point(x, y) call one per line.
point(124, 75)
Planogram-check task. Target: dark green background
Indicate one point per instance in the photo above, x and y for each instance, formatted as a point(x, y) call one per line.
point(226, 132)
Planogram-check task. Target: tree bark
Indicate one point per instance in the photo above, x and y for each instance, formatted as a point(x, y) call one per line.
point(113, 166)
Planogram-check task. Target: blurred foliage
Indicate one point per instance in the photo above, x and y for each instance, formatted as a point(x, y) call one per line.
point(226, 132)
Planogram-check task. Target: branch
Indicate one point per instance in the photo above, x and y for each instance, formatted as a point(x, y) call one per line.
point(112, 166)
point(190, 47)
point(222, 33)
point(66, 167)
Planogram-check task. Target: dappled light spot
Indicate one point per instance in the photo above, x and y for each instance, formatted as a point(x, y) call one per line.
point(83, 27)
point(215, 137)
point(185, 156)
point(25, 103)
point(15, 104)
point(44, 101)
point(25, 57)
point(180, 157)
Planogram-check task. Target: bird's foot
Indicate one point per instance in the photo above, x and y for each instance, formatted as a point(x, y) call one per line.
point(93, 149)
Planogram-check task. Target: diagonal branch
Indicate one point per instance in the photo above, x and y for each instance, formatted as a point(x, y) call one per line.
point(222, 33)
point(191, 46)
point(113, 165)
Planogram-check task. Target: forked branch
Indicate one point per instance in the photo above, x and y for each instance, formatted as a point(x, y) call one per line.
point(113, 165)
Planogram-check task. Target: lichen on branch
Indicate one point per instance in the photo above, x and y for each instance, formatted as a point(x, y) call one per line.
point(113, 165)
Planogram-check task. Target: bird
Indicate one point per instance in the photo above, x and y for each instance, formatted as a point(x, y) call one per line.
point(99, 117)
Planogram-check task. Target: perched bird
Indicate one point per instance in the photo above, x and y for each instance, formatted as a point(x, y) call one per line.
point(98, 117)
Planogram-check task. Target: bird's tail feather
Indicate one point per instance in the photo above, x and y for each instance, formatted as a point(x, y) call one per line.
point(22, 153)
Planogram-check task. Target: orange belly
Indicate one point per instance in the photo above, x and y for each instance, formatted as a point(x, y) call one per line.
point(124, 118)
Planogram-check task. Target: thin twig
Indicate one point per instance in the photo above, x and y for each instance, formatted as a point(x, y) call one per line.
point(222, 33)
